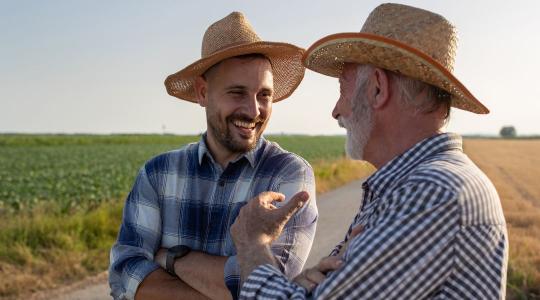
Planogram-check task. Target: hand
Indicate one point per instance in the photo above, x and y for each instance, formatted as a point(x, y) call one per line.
point(260, 222)
point(356, 230)
point(161, 257)
point(312, 277)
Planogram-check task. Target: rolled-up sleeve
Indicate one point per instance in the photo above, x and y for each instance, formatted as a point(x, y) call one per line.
point(292, 247)
point(131, 257)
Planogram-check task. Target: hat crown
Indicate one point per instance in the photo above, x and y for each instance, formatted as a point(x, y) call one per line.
point(233, 30)
point(424, 30)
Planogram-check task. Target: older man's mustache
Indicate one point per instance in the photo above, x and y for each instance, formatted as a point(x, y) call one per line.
point(341, 122)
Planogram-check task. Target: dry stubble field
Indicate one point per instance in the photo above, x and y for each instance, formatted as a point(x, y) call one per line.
point(514, 168)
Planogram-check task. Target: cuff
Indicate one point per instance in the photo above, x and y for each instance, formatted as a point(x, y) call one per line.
point(232, 276)
point(132, 278)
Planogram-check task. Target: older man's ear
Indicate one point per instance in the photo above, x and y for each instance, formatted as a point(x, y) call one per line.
point(379, 88)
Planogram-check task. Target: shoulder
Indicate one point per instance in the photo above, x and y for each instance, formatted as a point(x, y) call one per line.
point(456, 176)
point(452, 170)
point(171, 160)
point(276, 158)
point(273, 153)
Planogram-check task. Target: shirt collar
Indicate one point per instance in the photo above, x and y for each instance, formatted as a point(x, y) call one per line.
point(401, 165)
point(250, 155)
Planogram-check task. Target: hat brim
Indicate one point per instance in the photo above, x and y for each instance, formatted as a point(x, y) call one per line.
point(287, 69)
point(328, 55)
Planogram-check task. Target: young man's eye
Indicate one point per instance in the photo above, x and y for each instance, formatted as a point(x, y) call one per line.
point(266, 95)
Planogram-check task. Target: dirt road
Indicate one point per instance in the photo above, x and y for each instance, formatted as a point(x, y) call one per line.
point(336, 210)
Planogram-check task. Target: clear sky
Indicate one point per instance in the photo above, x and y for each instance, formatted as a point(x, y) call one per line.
point(99, 66)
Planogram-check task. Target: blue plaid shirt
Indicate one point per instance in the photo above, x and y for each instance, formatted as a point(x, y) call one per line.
point(185, 197)
point(433, 229)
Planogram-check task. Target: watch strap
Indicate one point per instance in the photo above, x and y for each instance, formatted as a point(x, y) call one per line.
point(173, 253)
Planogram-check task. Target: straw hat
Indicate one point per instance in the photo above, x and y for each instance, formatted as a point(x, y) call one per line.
point(404, 39)
point(234, 36)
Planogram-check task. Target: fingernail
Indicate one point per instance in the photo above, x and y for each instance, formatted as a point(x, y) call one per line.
point(339, 263)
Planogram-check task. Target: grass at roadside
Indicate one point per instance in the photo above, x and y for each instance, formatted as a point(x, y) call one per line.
point(39, 251)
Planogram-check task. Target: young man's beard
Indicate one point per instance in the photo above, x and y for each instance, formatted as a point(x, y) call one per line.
point(223, 135)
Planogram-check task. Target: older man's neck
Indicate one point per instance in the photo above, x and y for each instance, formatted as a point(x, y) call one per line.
point(389, 142)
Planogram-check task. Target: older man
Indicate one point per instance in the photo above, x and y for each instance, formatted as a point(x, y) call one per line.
point(431, 223)
point(185, 201)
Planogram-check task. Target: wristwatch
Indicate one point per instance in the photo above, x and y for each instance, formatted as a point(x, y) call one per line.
point(174, 253)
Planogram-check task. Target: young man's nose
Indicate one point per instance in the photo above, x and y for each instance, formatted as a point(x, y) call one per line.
point(252, 107)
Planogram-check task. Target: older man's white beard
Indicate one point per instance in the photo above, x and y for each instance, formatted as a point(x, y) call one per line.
point(359, 127)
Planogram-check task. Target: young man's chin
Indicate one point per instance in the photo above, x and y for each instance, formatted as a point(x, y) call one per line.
point(245, 145)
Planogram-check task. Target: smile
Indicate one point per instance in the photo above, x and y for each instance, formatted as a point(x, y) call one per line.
point(245, 125)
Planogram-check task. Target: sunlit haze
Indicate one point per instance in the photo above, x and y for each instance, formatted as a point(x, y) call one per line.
point(99, 66)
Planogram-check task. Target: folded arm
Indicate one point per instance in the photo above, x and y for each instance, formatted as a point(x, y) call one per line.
point(132, 256)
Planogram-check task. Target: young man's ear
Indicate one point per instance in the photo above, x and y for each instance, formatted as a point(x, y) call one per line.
point(201, 91)
point(381, 88)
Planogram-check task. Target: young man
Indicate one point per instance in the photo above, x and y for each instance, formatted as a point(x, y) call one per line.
point(431, 224)
point(174, 242)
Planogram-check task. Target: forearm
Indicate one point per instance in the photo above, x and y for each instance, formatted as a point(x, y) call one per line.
point(251, 257)
point(204, 272)
point(267, 280)
point(161, 285)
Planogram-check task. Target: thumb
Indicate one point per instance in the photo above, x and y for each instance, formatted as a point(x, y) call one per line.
point(292, 206)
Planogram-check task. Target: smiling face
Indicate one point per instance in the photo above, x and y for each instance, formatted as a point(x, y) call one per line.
point(237, 94)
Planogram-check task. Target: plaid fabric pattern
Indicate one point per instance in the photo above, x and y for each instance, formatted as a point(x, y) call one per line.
point(433, 229)
point(184, 197)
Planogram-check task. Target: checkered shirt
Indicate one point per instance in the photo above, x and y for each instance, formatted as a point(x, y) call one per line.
point(433, 229)
point(185, 197)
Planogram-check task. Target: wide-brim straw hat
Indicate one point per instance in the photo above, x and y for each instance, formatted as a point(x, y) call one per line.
point(400, 38)
point(234, 36)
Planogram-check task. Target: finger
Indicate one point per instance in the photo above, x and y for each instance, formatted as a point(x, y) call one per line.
point(304, 282)
point(266, 198)
point(356, 230)
point(294, 204)
point(315, 276)
point(329, 263)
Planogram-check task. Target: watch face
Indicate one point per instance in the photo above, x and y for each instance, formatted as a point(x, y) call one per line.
point(179, 250)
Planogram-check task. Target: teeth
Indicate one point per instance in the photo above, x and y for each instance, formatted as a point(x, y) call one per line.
point(244, 124)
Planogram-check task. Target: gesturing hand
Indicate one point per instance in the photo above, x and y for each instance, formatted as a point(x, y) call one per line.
point(260, 222)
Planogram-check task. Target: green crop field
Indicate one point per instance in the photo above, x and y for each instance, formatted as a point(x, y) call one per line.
point(67, 173)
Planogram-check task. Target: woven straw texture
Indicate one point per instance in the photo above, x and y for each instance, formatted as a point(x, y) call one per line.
point(234, 36)
point(403, 39)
